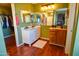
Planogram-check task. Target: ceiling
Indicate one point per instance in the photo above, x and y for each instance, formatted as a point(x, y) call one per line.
point(5, 5)
point(8, 5)
point(45, 4)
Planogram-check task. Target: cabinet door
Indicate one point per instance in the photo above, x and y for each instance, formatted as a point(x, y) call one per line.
point(52, 37)
point(25, 36)
point(33, 35)
point(61, 37)
point(38, 32)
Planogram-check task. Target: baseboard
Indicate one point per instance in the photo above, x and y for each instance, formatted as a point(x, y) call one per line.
point(20, 44)
point(8, 36)
point(56, 44)
point(44, 38)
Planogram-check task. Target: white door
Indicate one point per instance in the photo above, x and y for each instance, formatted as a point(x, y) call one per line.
point(70, 24)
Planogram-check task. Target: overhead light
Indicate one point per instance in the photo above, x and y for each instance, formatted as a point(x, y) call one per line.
point(52, 6)
point(49, 7)
point(43, 8)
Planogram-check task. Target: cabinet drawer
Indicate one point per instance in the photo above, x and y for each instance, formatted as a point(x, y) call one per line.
point(53, 35)
point(53, 30)
point(52, 40)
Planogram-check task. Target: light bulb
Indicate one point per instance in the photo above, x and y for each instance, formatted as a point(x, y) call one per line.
point(45, 8)
point(49, 7)
point(42, 8)
point(52, 6)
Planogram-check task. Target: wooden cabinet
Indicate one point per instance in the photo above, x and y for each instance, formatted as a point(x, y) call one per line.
point(61, 37)
point(57, 36)
point(52, 36)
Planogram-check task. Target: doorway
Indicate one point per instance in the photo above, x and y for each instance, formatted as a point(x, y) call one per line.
point(7, 26)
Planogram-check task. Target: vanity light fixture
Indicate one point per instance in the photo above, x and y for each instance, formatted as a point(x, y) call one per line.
point(49, 7)
point(44, 8)
point(52, 6)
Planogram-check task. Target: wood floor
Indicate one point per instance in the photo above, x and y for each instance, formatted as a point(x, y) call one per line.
point(25, 50)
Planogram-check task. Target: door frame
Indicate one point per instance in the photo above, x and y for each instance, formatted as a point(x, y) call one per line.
point(70, 40)
point(14, 23)
point(74, 29)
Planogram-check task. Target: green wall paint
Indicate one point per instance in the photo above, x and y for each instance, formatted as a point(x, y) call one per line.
point(18, 7)
point(45, 31)
point(2, 43)
point(36, 7)
point(60, 5)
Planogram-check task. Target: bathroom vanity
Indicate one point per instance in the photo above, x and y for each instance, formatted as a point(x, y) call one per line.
point(57, 36)
point(30, 35)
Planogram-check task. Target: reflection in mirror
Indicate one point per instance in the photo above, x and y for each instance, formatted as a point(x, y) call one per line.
point(30, 18)
point(26, 18)
point(60, 18)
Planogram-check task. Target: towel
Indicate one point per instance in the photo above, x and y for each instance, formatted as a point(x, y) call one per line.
point(7, 23)
point(1, 21)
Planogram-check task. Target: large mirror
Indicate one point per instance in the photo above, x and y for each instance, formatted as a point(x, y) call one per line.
point(30, 18)
point(60, 18)
point(25, 16)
